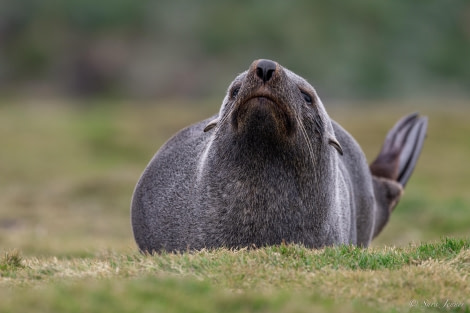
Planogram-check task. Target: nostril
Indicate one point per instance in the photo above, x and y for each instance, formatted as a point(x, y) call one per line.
point(260, 73)
point(265, 69)
point(269, 74)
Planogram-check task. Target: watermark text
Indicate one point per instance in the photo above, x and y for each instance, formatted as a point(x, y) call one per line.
point(443, 304)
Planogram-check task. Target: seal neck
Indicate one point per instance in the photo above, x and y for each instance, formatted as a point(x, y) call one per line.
point(267, 165)
point(259, 196)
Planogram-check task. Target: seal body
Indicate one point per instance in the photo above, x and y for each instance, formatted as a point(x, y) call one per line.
point(270, 167)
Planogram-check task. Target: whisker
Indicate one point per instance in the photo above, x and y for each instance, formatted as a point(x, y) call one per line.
point(307, 141)
point(223, 119)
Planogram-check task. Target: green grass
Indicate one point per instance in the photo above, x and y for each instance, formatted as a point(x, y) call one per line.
point(286, 278)
point(67, 176)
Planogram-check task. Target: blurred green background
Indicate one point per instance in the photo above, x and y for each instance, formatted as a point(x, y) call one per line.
point(163, 48)
point(90, 89)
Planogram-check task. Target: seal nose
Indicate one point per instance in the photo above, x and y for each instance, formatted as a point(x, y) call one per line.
point(265, 69)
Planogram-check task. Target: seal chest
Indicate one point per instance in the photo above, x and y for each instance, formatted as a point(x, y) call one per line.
point(270, 167)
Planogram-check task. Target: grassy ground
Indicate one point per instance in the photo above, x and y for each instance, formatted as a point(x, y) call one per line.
point(274, 279)
point(67, 176)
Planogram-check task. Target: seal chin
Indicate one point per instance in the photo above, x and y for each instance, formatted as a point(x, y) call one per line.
point(261, 115)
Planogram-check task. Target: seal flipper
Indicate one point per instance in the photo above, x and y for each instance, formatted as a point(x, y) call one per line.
point(393, 166)
point(401, 149)
point(387, 194)
point(412, 149)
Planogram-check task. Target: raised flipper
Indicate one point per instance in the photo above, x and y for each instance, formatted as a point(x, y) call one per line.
point(401, 149)
point(396, 161)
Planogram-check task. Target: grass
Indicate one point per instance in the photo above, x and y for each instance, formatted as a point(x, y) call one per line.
point(67, 176)
point(10, 262)
point(270, 279)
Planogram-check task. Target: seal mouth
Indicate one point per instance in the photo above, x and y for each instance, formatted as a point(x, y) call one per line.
point(261, 96)
point(265, 102)
point(262, 113)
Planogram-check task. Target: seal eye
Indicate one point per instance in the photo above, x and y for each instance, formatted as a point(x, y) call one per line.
point(306, 97)
point(234, 92)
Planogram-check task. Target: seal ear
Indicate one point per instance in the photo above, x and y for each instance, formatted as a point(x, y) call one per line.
point(211, 125)
point(333, 142)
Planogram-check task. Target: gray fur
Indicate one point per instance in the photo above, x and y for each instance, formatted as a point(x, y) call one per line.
point(263, 171)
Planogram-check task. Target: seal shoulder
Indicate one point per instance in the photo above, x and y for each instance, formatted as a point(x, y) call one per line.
point(356, 170)
point(159, 211)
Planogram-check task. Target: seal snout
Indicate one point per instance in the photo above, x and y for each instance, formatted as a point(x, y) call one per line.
point(265, 69)
point(261, 108)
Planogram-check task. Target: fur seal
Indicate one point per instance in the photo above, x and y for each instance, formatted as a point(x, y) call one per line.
point(270, 167)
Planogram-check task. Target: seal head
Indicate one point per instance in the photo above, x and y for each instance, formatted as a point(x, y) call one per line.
point(270, 103)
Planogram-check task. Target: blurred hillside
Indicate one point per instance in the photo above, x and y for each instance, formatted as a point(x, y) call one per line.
point(173, 48)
